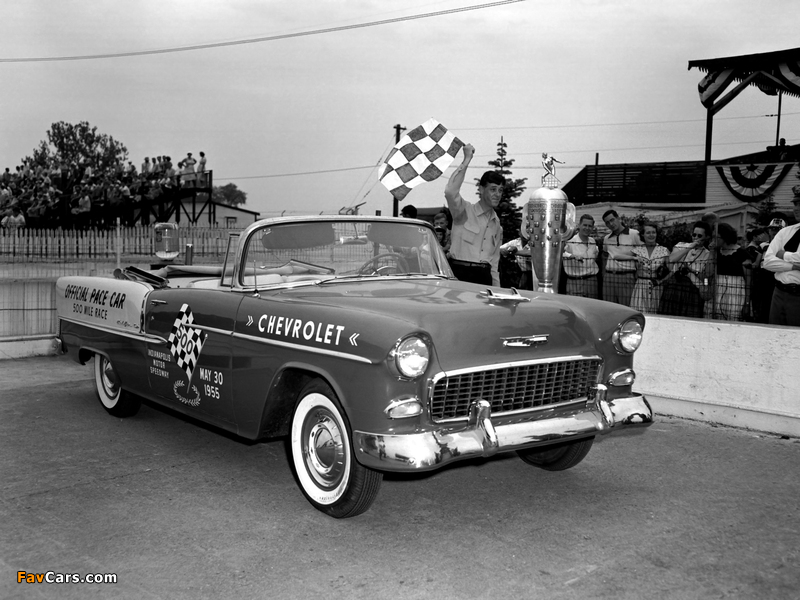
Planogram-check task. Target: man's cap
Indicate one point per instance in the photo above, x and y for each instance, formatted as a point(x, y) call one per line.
point(777, 224)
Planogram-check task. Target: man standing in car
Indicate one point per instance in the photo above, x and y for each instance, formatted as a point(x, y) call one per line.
point(477, 234)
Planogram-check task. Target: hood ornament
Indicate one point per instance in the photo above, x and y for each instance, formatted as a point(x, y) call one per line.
point(525, 341)
point(515, 296)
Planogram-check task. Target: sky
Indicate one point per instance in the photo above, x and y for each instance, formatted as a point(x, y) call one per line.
point(301, 119)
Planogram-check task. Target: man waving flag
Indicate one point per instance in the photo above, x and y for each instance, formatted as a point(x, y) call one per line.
point(423, 154)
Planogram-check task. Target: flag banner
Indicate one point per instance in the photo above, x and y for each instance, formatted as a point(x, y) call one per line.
point(421, 155)
point(713, 84)
point(186, 342)
point(753, 182)
point(789, 74)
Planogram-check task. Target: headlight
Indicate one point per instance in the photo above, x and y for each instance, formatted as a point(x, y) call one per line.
point(628, 337)
point(411, 356)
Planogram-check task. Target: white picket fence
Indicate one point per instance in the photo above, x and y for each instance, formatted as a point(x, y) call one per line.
point(47, 245)
point(31, 260)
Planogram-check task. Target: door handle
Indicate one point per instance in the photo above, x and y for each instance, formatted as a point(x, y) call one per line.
point(156, 302)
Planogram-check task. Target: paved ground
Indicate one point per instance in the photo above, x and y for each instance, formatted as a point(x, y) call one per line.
point(179, 511)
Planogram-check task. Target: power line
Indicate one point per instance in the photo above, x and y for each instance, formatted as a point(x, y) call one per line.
point(322, 172)
point(613, 124)
point(295, 174)
point(258, 40)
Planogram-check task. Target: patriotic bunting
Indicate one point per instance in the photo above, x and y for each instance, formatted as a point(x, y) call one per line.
point(712, 86)
point(753, 182)
point(789, 74)
point(186, 342)
point(421, 155)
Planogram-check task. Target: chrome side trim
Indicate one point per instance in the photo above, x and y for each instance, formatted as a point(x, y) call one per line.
point(146, 337)
point(426, 450)
point(212, 329)
point(312, 349)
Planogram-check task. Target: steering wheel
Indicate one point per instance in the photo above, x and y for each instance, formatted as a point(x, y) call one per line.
point(370, 267)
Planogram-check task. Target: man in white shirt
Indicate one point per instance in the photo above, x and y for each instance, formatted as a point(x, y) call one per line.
point(620, 272)
point(15, 220)
point(518, 249)
point(580, 261)
point(783, 258)
point(477, 234)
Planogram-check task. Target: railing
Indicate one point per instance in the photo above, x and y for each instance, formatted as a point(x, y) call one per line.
point(701, 289)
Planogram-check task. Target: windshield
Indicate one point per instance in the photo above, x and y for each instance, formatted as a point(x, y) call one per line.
point(326, 249)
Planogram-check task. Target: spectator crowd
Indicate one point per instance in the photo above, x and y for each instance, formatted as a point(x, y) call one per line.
point(93, 192)
point(712, 273)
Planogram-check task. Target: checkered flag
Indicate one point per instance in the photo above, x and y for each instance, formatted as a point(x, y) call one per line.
point(421, 155)
point(185, 341)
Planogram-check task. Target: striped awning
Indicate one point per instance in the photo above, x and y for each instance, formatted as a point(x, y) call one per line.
point(771, 72)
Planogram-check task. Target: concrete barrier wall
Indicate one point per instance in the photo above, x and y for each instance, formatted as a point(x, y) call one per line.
point(739, 374)
point(27, 307)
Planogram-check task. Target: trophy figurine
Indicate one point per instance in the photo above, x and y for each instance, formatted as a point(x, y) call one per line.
point(549, 222)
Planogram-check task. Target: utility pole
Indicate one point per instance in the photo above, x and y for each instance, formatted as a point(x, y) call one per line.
point(398, 129)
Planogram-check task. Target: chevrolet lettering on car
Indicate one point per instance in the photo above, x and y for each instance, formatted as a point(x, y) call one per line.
point(350, 337)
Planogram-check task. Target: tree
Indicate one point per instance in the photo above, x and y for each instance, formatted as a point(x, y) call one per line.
point(228, 194)
point(79, 144)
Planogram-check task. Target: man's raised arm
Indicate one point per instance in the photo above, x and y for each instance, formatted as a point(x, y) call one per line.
point(452, 190)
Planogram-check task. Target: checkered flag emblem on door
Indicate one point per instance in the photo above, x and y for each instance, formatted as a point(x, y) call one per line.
point(421, 155)
point(185, 341)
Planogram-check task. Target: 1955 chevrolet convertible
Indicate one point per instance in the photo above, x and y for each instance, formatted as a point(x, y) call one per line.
point(350, 336)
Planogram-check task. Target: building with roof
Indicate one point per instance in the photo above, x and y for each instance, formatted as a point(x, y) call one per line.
point(733, 187)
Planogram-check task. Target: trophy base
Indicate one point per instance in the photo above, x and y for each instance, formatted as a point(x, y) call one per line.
point(550, 181)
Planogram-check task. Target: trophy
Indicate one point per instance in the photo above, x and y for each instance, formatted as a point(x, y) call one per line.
point(549, 221)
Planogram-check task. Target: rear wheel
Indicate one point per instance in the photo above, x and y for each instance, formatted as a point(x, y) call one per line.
point(322, 453)
point(114, 399)
point(557, 457)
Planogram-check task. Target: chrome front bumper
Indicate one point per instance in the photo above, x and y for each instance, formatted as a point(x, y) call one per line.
point(428, 450)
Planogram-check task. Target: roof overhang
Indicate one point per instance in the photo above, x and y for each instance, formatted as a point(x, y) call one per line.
point(770, 72)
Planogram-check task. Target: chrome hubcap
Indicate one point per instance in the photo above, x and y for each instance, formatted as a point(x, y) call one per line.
point(324, 449)
point(110, 382)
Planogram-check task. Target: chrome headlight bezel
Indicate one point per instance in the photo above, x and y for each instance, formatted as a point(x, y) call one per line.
point(621, 378)
point(628, 336)
point(411, 355)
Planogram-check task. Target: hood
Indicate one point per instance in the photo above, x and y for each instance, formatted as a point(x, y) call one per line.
point(466, 327)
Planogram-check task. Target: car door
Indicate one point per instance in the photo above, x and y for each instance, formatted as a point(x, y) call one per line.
point(190, 367)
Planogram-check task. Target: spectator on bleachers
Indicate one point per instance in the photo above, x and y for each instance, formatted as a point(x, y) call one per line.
point(14, 221)
point(201, 170)
point(188, 174)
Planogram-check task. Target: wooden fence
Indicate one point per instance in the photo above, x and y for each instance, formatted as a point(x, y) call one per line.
point(47, 245)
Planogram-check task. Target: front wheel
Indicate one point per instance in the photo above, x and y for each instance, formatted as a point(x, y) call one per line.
point(557, 457)
point(114, 399)
point(322, 453)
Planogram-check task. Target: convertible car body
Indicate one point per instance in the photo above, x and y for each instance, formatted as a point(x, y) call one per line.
point(351, 337)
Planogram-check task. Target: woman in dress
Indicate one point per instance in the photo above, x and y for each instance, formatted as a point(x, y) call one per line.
point(686, 290)
point(651, 269)
point(732, 289)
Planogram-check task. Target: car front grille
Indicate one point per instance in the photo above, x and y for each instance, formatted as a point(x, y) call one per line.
point(513, 387)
